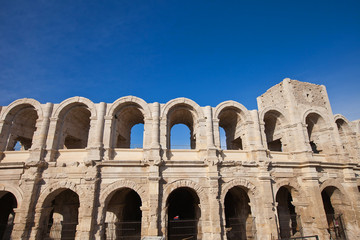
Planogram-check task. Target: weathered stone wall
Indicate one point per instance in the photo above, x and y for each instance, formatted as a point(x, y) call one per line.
point(312, 168)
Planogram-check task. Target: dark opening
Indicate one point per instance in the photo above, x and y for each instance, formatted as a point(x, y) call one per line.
point(7, 214)
point(314, 147)
point(275, 145)
point(239, 222)
point(63, 219)
point(128, 127)
point(73, 143)
point(273, 135)
point(286, 212)
point(183, 214)
point(329, 210)
point(123, 216)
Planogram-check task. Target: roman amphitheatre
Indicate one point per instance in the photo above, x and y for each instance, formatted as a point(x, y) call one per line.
point(290, 168)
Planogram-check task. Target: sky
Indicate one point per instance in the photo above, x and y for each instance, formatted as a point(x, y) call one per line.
point(209, 51)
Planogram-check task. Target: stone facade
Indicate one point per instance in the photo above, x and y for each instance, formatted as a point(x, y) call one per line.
point(291, 168)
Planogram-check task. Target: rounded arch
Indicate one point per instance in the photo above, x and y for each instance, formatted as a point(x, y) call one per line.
point(127, 100)
point(276, 111)
point(341, 117)
point(55, 188)
point(184, 183)
point(16, 191)
point(341, 120)
point(332, 183)
point(182, 101)
point(292, 185)
point(20, 104)
point(232, 104)
point(249, 187)
point(74, 101)
point(316, 112)
point(109, 191)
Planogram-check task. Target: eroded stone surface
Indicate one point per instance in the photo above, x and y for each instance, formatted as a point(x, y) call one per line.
point(291, 168)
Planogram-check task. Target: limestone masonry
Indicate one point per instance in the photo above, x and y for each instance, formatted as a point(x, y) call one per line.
point(289, 169)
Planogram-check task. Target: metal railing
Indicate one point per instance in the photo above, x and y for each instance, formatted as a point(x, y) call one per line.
point(240, 228)
point(182, 229)
point(61, 231)
point(336, 227)
point(130, 230)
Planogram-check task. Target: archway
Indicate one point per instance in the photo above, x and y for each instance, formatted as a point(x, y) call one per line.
point(239, 221)
point(333, 206)
point(274, 131)
point(289, 222)
point(7, 205)
point(183, 214)
point(123, 215)
point(75, 128)
point(231, 119)
point(318, 137)
point(22, 126)
point(125, 118)
point(60, 215)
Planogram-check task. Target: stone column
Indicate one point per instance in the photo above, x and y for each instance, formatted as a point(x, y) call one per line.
point(51, 142)
point(107, 137)
point(96, 145)
point(86, 217)
point(264, 209)
point(214, 208)
point(155, 135)
point(39, 143)
point(154, 203)
point(315, 203)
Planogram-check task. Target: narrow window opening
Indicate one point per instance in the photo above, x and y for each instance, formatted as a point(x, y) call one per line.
point(236, 144)
point(222, 134)
point(72, 142)
point(137, 136)
point(181, 137)
point(275, 145)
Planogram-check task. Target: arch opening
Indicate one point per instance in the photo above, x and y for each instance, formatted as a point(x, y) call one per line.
point(125, 121)
point(181, 115)
point(239, 221)
point(22, 128)
point(273, 131)
point(315, 125)
point(183, 213)
point(75, 128)
point(344, 130)
point(123, 215)
point(289, 221)
point(333, 206)
point(7, 214)
point(231, 120)
point(61, 217)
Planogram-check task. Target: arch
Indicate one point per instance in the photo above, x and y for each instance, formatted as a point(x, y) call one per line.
point(74, 101)
point(57, 187)
point(19, 104)
point(274, 121)
point(182, 101)
point(231, 104)
point(273, 109)
point(341, 120)
point(333, 183)
point(123, 101)
point(16, 191)
point(184, 183)
point(317, 112)
point(125, 113)
point(107, 193)
point(290, 184)
point(247, 185)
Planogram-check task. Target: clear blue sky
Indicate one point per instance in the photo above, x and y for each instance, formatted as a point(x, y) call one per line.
point(209, 51)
